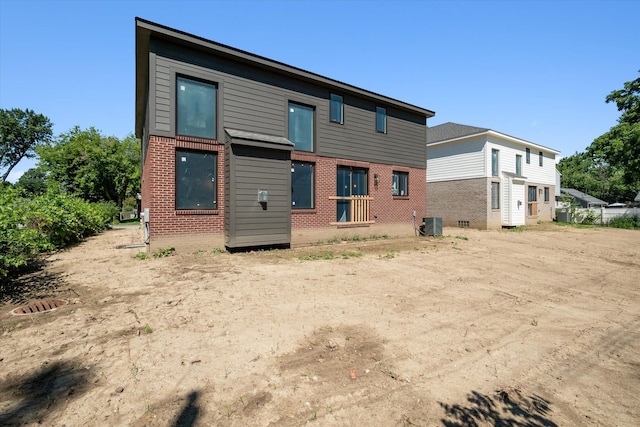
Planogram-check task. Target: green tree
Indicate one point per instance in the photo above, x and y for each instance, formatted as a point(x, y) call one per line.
point(33, 182)
point(620, 146)
point(92, 166)
point(585, 173)
point(20, 133)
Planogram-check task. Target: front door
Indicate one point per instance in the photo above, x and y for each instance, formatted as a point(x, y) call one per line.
point(351, 182)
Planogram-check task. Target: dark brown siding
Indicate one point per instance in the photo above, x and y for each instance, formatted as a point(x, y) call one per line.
point(255, 100)
point(251, 223)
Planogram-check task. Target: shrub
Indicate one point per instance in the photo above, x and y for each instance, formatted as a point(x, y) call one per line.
point(624, 221)
point(18, 243)
point(53, 220)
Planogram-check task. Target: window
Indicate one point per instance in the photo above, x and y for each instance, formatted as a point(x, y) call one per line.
point(528, 156)
point(381, 119)
point(518, 165)
point(532, 205)
point(494, 162)
point(336, 109)
point(400, 184)
point(301, 126)
point(302, 185)
point(351, 182)
point(196, 109)
point(495, 195)
point(540, 157)
point(546, 194)
point(196, 180)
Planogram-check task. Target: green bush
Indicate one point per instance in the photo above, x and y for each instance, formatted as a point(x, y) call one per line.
point(18, 243)
point(624, 221)
point(51, 221)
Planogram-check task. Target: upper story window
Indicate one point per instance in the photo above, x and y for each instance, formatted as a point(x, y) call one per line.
point(196, 180)
point(518, 165)
point(301, 126)
point(528, 156)
point(400, 184)
point(196, 108)
point(494, 162)
point(381, 119)
point(336, 108)
point(540, 158)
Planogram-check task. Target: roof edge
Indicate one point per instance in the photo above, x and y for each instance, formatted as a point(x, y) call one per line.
point(277, 66)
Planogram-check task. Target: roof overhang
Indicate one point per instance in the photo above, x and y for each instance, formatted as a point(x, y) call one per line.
point(145, 30)
point(258, 140)
point(499, 135)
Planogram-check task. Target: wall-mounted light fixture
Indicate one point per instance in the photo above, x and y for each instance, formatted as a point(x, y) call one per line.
point(375, 179)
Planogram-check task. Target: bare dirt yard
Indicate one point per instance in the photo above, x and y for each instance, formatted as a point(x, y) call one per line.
point(478, 328)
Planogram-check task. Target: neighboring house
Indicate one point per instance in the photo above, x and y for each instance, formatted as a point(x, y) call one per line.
point(241, 150)
point(480, 178)
point(584, 200)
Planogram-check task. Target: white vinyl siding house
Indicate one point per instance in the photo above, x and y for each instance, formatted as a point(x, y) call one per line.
point(465, 163)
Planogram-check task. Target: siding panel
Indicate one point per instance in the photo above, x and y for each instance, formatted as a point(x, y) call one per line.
point(255, 100)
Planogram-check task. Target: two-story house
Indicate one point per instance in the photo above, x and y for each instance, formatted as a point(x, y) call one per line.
point(480, 178)
point(240, 149)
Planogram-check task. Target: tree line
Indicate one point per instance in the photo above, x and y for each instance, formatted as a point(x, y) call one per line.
point(609, 168)
point(81, 181)
point(81, 162)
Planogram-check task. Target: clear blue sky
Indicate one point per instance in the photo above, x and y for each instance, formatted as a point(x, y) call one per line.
point(537, 70)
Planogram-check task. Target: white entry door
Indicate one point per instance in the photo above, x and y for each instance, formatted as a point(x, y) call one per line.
point(515, 205)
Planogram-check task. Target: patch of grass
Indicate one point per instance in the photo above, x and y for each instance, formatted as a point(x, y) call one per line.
point(353, 238)
point(351, 254)
point(388, 255)
point(142, 255)
point(315, 257)
point(163, 252)
point(199, 252)
point(518, 229)
point(147, 329)
point(462, 238)
point(218, 251)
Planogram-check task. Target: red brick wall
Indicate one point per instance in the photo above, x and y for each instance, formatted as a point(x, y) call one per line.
point(158, 189)
point(385, 208)
point(158, 192)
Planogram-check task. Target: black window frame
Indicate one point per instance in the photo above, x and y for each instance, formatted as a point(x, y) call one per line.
point(541, 159)
point(214, 85)
point(547, 196)
point(313, 124)
point(199, 191)
point(518, 165)
point(396, 192)
point(381, 119)
point(332, 104)
point(528, 156)
point(312, 187)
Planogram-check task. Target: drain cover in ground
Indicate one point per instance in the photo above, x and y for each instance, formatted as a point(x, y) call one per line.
point(39, 306)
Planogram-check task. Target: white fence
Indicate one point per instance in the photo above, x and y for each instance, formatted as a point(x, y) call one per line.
point(604, 215)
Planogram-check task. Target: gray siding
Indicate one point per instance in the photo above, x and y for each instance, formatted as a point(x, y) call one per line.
point(255, 100)
point(247, 222)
